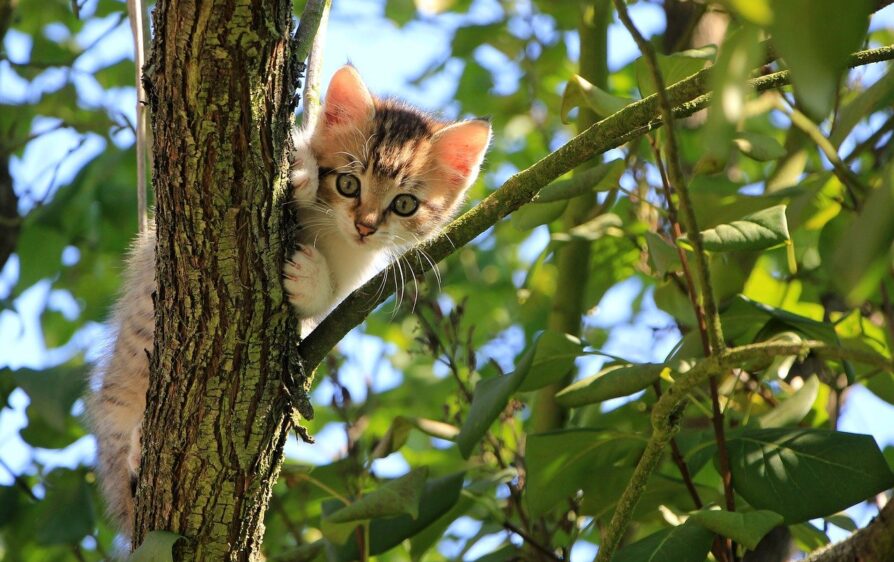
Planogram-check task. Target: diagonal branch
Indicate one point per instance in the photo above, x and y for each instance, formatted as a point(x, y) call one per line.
point(687, 96)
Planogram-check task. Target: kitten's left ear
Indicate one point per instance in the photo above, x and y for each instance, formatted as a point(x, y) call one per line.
point(458, 150)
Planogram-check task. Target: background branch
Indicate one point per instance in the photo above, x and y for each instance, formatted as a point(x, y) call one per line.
point(873, 543)
point(687, 97)
point(311, 37)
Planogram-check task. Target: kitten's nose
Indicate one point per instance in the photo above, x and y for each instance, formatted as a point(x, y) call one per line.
point(364, 229)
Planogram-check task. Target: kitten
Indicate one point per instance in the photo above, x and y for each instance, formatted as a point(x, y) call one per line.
point(371, 179)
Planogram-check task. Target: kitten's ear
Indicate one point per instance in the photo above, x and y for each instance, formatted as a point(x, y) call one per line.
point(348, 102)
point(458, 150)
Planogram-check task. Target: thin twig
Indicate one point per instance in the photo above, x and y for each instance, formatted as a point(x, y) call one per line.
point(705, 307)
point(850, 181)
point(136, 11)
point(870, 142)
point(530, 540)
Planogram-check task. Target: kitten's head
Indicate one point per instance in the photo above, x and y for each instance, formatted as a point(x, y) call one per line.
point(391, 174)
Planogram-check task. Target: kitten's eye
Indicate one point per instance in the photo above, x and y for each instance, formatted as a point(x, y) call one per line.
point(405, 204)
point(348, 185)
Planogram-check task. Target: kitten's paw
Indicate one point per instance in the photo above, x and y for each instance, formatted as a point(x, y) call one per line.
point(307, 282)
point(303, 171)
point(133, 452)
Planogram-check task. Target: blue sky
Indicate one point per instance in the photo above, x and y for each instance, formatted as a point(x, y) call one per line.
point(387, 57)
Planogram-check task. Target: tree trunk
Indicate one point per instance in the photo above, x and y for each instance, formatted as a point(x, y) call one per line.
point(221, 81)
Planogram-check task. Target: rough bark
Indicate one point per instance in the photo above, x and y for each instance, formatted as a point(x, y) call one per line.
point(221, 83)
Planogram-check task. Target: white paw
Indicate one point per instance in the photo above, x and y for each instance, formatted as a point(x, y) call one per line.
point(303, 170)
point(307, 282)
point(133, 452)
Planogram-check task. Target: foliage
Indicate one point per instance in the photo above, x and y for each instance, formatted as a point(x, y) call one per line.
point(795, 218)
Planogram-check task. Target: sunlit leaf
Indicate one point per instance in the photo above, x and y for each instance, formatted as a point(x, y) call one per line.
point(758, 146)
point(806, 473)
point(744, 527)
point(581, 93)
point(828, 31)
point(614, 381)
point(757, 231)
point(562, 462)
point(793, 409)
point(688, 542)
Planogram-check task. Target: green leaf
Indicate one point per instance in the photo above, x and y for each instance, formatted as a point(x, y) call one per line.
point(438, 498)
point(395, 438)
point(40, 254)
point(400, 12)
point(393, 498)
point(688, 542)
point(739, 56)
point(598, 178)
point(673, 68)
point(757, 146)
point(65, 514)
point(580, 93)
point(593, 229)
point(53, 391)
point(747, 528)
point(882, 385)
point(880, 94)
point(613, 381)
point(561, 462)
point(305, 552)
point(756, 11)
point(157, 547)
point(793, 410)
point(746, 320)
point(117, 75)
point(534, 214)
point(554, 355)
point(757, 231)
point(807, 537)
point(490, 398)
point(862, 254)
point(817, 54)
point(548, 359)
point(10, 503)
point(399, 431)
point(806, 473)
point(662, 254)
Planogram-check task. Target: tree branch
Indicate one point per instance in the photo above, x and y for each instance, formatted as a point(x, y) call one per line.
point(666, 412)
point(873, 543)
point(136, 11)
point(310, 38)
point(687, 96)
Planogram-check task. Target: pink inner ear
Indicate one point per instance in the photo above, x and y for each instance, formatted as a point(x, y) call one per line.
point(347, 99)
point(336, 114)
point(460, 149)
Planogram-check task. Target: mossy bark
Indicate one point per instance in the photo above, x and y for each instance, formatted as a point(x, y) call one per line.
point(221, 83)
